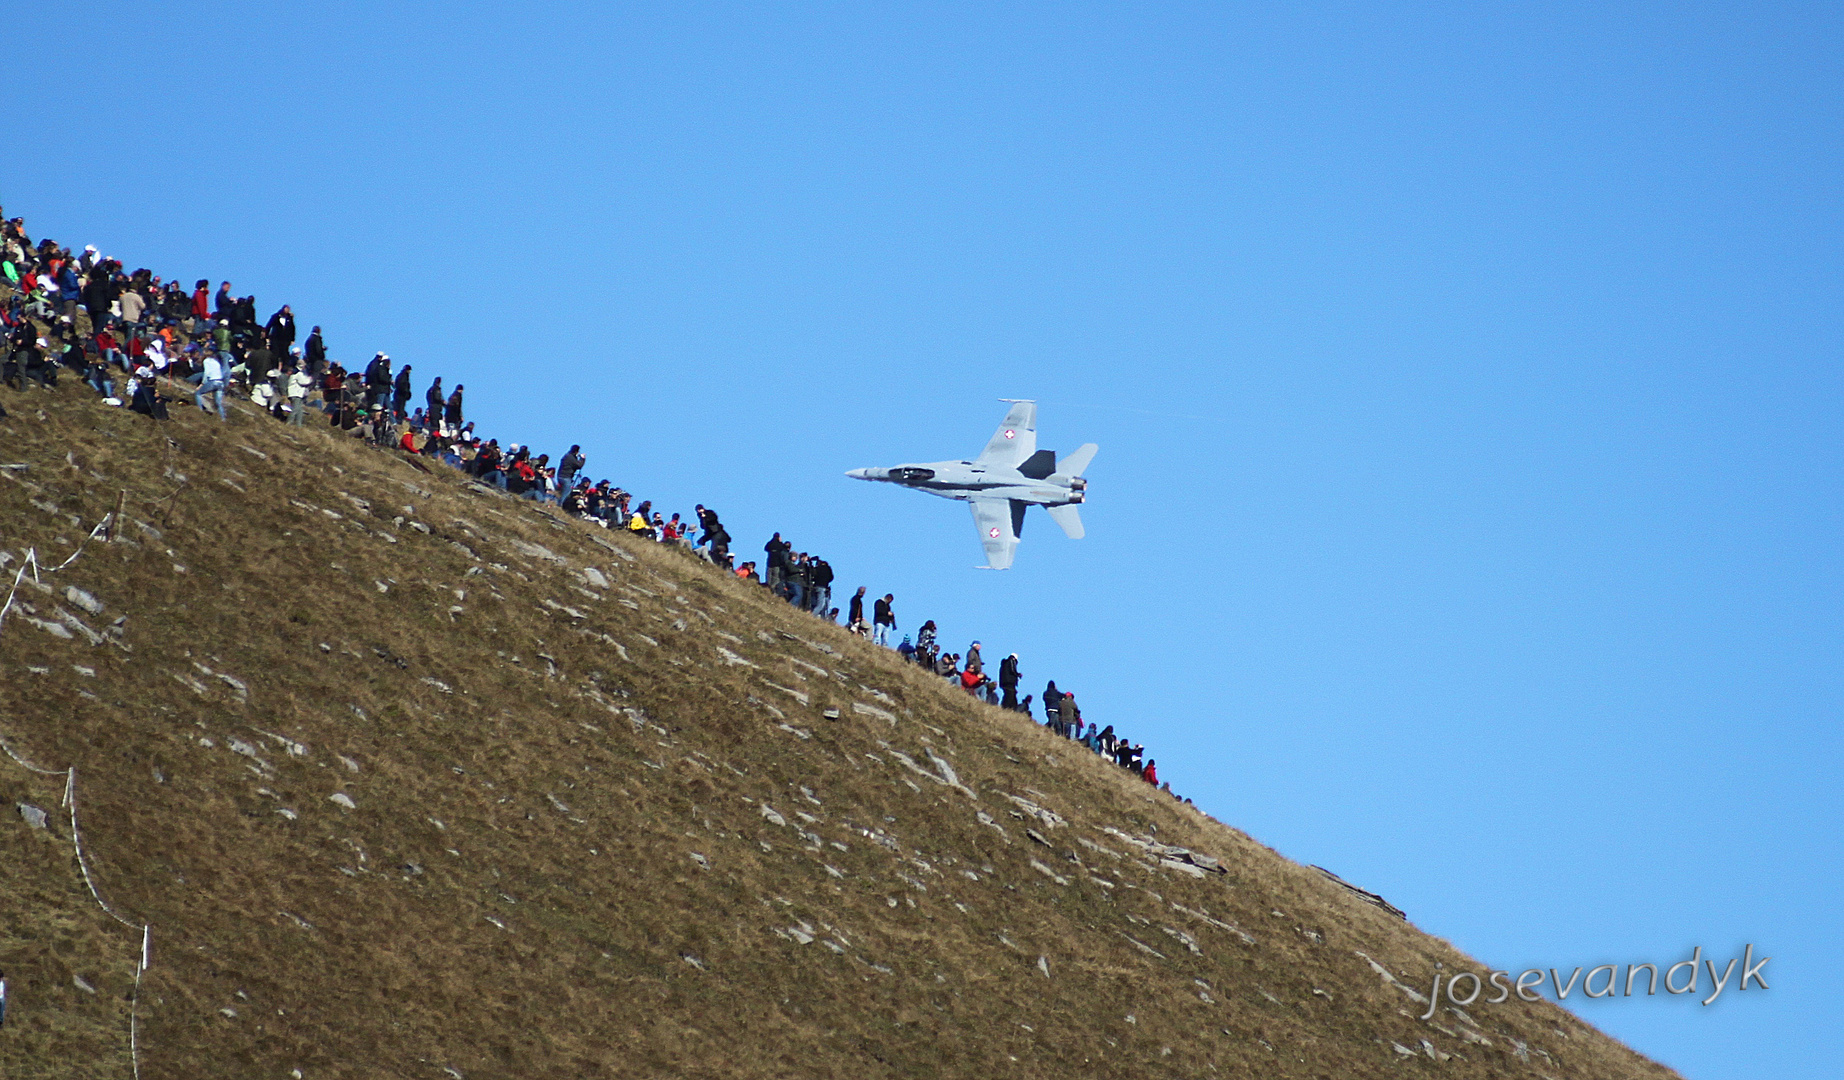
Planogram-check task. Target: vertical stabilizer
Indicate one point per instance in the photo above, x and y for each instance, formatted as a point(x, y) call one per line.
point(1076, 463)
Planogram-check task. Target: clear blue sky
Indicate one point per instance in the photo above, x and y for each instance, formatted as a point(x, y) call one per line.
point(1467, 378)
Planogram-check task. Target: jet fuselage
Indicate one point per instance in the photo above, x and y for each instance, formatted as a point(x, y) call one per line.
point(965, 480)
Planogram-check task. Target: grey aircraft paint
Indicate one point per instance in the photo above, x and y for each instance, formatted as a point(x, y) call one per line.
point(1010, 475)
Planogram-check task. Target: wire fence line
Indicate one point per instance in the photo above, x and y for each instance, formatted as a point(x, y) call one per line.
point(69, 798)
point(31, 563)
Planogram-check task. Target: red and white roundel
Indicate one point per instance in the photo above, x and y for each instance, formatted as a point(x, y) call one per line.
point(994, 533)
point(1010, 434)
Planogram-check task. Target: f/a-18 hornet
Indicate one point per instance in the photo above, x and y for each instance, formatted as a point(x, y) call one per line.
point(1009, 475)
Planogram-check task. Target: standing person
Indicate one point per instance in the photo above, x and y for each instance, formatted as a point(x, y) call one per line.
point(1008, 681)
point(98, 295)
point(451, 412)
point(1070, 716)
point(567, 468)
point(377, 381)
point(401, 393)
point(201, 304)
point(1053, 704)
point(332, 391)
point(316, 353)
point(433, 402)
point(883, 616)
point(1150, 773)
point(974, 663)
point(797, 580)
point(134, 305)
point(257, 364)
point(854, 618)
point(226, 303)
point(810, 565)
point(822, 587)
point(215, 372)
point(776, 564)
point(63, 284)
point(281, 331)
point(299, 383)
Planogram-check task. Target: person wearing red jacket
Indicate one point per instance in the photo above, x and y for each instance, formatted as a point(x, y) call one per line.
point(523, 477)
point(201, 301)
point(1151, 773)
point(107, 347)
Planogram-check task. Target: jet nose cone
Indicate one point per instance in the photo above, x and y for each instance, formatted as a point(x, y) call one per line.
point(859, 474)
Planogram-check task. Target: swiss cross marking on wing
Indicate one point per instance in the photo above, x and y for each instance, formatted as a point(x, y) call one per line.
point(1010, 434)
point(994, 533)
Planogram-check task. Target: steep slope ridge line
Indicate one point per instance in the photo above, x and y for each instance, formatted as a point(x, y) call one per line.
point(417, 795)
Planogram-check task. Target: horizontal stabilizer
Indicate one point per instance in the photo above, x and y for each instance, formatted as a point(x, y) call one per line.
point(1039, 465)
point(1067, 517)
point(1076, 463)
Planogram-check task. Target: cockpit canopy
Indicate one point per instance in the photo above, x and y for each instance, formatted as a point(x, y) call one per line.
point(910, 474)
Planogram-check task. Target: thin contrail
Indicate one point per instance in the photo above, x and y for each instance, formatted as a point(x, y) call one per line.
point(1132, 409)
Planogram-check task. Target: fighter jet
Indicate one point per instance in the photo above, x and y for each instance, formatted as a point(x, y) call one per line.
point(1009, 475)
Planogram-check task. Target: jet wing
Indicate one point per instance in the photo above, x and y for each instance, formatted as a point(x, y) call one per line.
point(1015, 440)
point(994, 518)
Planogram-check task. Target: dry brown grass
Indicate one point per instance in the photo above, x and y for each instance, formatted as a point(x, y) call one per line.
point(519, 890)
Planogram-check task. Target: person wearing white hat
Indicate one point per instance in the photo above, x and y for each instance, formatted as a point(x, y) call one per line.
point(1008, 682)
point(299, 384)
point(38, 365)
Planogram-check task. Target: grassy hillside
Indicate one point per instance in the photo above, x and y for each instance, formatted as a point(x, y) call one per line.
point(409, 777)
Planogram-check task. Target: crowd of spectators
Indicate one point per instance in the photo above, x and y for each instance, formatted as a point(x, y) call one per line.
point(141, 342)
point(1061, 713)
